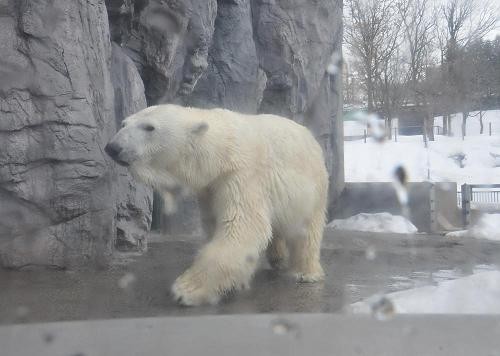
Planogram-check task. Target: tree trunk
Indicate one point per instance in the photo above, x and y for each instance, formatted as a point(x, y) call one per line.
point(388, 127)
point(430, 127)
point(481, 122)
point(370, 99)
point(445, 124)
point(370, 90)
point(464, 123)
point(424, 133)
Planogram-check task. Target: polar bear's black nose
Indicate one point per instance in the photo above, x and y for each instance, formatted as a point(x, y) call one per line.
point(113, 150)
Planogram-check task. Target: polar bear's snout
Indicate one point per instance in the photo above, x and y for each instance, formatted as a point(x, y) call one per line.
point(114, 151)
point(127, 146)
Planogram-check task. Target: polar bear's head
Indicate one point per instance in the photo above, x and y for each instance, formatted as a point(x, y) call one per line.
point(156, 134)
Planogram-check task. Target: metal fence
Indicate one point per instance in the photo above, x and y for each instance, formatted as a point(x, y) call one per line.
point(477, 195)
point(486, 197)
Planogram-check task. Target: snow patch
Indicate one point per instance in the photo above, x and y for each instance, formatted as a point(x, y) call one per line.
point(379, 222)
point(488, 227)
point(475, 294)
point(375, 162)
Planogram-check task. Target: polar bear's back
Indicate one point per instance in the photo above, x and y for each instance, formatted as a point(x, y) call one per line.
point(288, 145)
point(297, 179)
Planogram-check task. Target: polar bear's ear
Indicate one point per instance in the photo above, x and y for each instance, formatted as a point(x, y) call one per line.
point(199, 128)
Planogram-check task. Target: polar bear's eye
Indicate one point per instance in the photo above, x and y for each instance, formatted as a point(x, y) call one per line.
point(148, 128)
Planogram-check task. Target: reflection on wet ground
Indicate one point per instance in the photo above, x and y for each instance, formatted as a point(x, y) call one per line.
point(358, 265)
point(420, 279)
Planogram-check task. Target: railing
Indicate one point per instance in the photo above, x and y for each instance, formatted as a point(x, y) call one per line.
point(487, 195)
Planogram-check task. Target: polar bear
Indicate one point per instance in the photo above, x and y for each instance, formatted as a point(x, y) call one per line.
point(261, 182)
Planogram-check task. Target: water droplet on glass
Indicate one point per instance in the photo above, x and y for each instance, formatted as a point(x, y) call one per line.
point(400, 182)
point(126, 281)
point(376, 127)
point(408, 330)
point(447, 186)
point(334, 64)
point(459, 158)
point(22, 312)
point(332, 69)
point(284, 327)
point(400, 175)
point(48, 338)
point(370, 253)
point(382, 308)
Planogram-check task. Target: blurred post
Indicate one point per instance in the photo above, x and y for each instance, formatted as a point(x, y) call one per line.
point(365, 136)
point(466, 199)
point(395, 134)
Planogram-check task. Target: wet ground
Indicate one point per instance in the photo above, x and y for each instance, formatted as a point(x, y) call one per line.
point(358, 265)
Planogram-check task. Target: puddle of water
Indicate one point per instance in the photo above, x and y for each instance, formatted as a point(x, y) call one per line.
point(404, 292)
point(399, 283)
point(421, 278)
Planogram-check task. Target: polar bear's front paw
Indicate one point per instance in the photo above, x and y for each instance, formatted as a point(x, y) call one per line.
point(315, 275)
point(309, 277)
point(191, 291)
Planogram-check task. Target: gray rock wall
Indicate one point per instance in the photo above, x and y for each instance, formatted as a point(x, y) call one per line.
point(134, 200)
point(58, 191)
point(168, 40)
point(73, 69)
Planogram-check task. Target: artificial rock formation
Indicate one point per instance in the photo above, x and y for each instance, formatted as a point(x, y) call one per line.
point(134, 201)
point(71, 70)
point(58, 191)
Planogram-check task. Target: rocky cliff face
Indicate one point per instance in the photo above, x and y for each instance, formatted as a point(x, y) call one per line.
point(70, 75)
point(60, 198)
point(134, 200)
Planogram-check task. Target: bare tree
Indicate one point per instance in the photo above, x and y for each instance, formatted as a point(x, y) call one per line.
point(348, 84)
point(390, 91)
point(461, 23)
point(417, 28)
point(418, 33)
point(439, 80)
point(371, 34)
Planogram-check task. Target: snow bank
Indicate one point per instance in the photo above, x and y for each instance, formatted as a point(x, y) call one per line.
point(488, 227)
point(473, 127)
point(475, 294)
point(380, 222)
point(354, 128)
point(375, 162)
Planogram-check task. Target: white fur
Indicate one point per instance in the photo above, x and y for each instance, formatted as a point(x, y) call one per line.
point(261, 182)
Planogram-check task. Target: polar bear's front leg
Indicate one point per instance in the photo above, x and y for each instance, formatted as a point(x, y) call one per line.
point(277, 253)
point(226, 263)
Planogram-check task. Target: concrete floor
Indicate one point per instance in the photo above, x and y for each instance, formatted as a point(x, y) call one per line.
point(358, 265)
